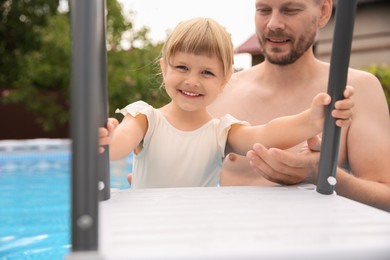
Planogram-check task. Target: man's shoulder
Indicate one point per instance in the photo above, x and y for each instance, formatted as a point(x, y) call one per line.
point(354, 75)
point(359, 78)
point(357, 74)
point(244, 77)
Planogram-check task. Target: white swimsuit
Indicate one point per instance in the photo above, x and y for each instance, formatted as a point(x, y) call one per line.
point(176, 158)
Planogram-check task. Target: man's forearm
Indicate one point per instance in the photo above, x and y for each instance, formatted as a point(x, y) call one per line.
point(365, 191)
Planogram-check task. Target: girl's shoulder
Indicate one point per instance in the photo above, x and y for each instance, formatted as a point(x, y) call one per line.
point(135, 108)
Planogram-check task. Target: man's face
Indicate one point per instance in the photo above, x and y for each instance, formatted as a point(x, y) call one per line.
point(286, 29)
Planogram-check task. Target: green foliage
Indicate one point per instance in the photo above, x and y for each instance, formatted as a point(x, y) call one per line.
point(116, 24)
point(383, 74)
point(43, 75)
point(134, 75)
point(35, 63)
point(20, 22)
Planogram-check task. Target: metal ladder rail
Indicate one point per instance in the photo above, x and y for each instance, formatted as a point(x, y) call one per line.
point(89, 108)
point(338, 73)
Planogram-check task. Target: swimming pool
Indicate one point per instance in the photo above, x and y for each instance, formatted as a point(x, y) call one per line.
point(35, 197)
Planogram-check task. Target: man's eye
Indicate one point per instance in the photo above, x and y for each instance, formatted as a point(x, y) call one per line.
point(291, 11)
point(263, 11)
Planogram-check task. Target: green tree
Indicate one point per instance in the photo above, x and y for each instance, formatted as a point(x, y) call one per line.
point(134, 75)
point(37, 76)
point(20, 23)
point(42, 84)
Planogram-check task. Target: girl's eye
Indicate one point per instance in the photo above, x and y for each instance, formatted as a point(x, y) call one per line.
point(182, 68)
point(207, 72)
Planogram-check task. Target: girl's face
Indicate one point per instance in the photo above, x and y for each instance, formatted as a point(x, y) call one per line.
point(193, 81)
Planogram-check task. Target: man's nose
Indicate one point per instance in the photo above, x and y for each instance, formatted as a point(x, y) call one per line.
point(276, 22)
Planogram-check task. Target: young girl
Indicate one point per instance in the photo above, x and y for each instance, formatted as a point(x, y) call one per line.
point(181, 144)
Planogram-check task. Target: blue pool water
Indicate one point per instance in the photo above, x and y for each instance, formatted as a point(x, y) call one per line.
point(35, 203)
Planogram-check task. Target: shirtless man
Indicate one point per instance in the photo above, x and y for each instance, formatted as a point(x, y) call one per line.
point(284, 84)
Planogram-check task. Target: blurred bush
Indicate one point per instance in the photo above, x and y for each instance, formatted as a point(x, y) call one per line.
point(35, 46)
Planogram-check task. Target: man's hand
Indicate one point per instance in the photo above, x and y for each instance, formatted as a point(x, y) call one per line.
point(285, 167)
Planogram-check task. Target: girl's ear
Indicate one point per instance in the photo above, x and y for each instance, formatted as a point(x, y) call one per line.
point(222, 87)
point(163, 66)
point(226, 81)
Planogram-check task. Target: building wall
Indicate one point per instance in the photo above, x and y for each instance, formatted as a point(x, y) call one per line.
point(18, 123)
point(371, 40)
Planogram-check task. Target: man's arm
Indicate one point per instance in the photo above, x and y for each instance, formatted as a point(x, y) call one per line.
point(284, 167)
point(365, 146)
point(368, 146)
point(371, 192)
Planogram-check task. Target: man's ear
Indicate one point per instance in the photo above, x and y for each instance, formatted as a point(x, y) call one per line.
point(326, 12)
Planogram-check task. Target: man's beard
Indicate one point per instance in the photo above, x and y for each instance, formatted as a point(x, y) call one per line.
point(303, 44)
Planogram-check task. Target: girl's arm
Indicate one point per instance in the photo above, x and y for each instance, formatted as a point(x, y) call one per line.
point(288, 131)
point(125, 137)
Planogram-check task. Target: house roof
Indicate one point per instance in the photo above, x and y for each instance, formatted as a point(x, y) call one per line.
point(251, 46)
point(363, 1)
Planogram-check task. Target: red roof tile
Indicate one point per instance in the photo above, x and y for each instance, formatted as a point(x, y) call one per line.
point(250, 46)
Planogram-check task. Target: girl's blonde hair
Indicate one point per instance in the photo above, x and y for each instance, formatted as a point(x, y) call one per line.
point(201, 36)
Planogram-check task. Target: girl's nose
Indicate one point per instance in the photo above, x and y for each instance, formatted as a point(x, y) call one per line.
point(192, 82)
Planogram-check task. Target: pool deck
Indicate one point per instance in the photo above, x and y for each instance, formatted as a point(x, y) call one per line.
point(240, 223)
point(45, 145)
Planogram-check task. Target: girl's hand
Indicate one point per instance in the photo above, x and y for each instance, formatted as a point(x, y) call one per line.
point(342, 111)
point(343, 108)
point(106, 133)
